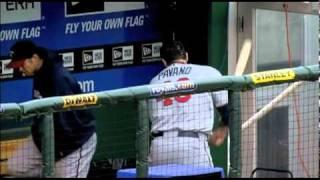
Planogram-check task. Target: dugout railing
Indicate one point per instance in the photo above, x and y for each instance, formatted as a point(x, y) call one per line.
point(235, 84)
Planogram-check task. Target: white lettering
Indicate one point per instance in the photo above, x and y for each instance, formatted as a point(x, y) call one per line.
point(134, 21)
point(86, 86)
point(11, 34)
point(113, 23)
point(71, 28)
point(91, 26)
point(32, 32)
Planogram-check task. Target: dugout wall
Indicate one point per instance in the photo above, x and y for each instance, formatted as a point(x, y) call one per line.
point(114, 41)
point(64, 26)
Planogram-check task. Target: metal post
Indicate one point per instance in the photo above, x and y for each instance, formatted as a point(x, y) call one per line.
point(47, 145)
point(235, 134)
point(142, 140)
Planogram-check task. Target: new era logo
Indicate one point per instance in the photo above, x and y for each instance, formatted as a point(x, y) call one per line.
point(87, 57)
point(117, 53)
point(95, 56)
point(122, 53)
point(147, 50)
point(151, 50)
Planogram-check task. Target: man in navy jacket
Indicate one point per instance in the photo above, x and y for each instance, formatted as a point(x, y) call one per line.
point(74, 131)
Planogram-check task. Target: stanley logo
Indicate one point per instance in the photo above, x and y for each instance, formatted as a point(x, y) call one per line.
point(273, 75)
point(79, 100)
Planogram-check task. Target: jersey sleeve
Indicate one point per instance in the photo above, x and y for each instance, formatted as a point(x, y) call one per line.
point(220, 98)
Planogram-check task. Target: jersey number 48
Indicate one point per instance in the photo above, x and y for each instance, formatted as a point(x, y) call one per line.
point(179, 99)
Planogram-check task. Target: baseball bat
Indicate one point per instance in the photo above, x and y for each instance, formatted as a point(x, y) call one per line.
point(267, 108)
point(243, 57)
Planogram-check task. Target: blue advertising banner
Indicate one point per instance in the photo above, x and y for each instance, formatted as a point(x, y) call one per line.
point(16, 91)
point(101, 80)
point(106, 45)
point(21, 90)
point(50, 24)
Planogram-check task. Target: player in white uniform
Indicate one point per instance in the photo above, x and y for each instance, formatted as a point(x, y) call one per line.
point(181, 125)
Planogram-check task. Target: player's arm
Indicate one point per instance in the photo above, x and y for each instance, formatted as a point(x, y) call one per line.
point(224, 114)
point(220, 133)
point(220, 100)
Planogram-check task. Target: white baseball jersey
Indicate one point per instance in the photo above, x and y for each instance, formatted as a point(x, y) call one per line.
point(194, 112)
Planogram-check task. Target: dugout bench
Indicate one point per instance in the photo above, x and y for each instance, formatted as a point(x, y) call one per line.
point(175, 170)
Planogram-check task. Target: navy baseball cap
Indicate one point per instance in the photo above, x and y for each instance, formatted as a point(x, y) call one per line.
point(21, 51)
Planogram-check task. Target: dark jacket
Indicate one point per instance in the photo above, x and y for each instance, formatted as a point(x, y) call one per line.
point(72, 128)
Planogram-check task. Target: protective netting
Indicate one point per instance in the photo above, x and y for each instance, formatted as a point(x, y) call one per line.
point(283, 140)
point(116, 130)
point(180, 128)
point(273, 129)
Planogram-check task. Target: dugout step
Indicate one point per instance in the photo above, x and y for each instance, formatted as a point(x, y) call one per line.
point(174, 170)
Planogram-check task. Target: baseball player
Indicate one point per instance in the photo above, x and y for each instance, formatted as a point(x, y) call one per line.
point(74, 131)
point(181, 126)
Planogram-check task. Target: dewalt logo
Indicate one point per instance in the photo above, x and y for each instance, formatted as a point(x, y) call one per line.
point(79, 100)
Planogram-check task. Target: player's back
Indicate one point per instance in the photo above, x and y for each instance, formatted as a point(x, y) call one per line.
point(192, 112)
point(177, 71)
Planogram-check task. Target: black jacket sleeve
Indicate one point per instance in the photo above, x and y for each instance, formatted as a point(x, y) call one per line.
point(67, 85)
point(224, 113)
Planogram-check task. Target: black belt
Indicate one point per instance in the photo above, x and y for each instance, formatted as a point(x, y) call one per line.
point(180, 134)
